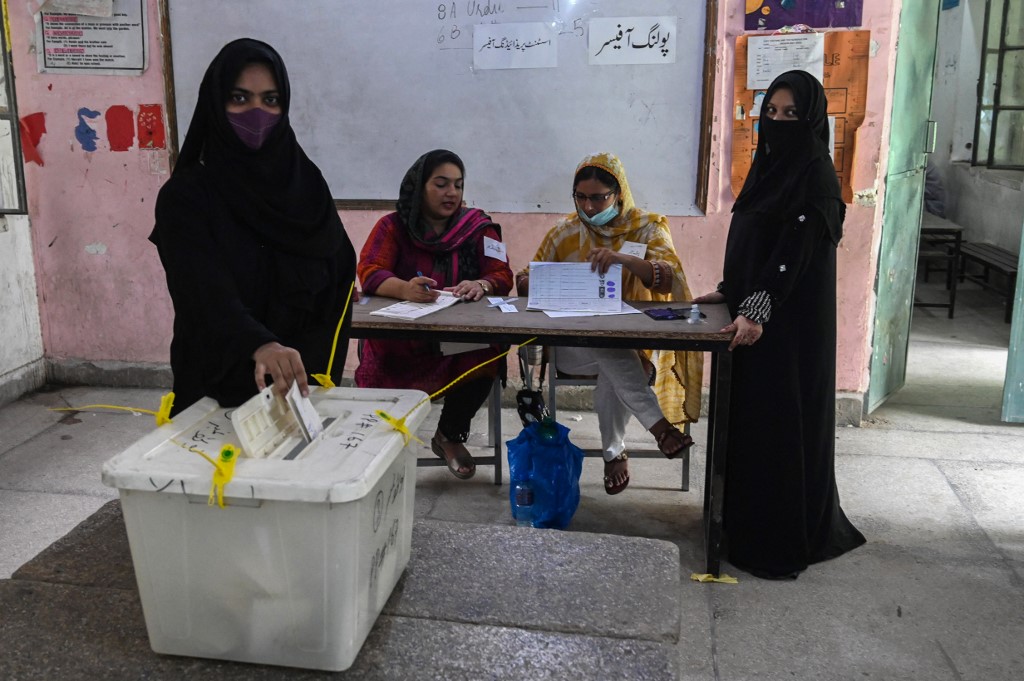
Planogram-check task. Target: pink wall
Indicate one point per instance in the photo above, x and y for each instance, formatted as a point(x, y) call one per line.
point(102, 288)
point(102, 292)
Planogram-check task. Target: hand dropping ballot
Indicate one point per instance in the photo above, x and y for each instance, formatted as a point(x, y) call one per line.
point(267, 422)
point(574, 287)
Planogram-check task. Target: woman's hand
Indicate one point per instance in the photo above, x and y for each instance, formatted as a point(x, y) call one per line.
point(603, 258)
point(714, 297)
point(420, 290)
point(284, 364)
point(747, 332)
point(468, 289)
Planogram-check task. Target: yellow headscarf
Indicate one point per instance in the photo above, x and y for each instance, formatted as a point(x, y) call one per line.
point(680, 374)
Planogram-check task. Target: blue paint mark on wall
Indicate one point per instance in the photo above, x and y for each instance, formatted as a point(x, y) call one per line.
point(85, 135)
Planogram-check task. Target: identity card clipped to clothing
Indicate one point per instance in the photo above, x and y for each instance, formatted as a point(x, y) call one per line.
point(572, 286)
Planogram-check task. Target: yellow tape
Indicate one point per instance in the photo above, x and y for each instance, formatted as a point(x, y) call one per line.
point(223, 471)
point(399, 423)
point(325, 379)
point(163, 415)
point(720, 579)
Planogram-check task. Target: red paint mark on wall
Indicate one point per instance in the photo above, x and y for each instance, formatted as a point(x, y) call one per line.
point(151, 127)
point(120, 127)
point(32, 127)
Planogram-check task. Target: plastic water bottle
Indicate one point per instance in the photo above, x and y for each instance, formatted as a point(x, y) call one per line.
point(524, 503)
point(694, 317)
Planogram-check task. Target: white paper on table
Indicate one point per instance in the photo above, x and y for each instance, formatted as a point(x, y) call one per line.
point(769, 56)
point(572, 286)
point(506, 307)
point(409, 310)
point(558, 314)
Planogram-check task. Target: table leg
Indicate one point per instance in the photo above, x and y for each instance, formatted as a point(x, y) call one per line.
point(714, 471)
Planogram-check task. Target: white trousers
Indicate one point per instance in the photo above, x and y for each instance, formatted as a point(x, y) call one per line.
point(621, 390)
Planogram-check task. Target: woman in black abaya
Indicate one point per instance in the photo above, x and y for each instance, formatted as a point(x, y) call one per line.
point(258, 263)
point(782, 508)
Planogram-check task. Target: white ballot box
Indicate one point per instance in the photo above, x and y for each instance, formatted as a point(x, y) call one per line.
point(296, 567)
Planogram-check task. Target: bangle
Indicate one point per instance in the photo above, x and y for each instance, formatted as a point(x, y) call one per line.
point(656, 281)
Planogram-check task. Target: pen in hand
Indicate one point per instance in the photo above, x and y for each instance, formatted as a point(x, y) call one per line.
point(426, 286)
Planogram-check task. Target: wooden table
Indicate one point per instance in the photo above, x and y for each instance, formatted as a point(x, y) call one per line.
point(476, 322)
point(941, 240)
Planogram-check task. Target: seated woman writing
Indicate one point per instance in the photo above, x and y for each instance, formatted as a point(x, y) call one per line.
point(433, 242)
point(604, 221)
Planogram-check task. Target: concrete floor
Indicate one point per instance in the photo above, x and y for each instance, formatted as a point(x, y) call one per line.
point(933, 479)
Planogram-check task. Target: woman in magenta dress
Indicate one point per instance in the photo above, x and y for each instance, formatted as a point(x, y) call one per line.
point(433, 242)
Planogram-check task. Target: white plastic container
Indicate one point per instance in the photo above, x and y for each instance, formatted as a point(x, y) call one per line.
point(297, 567)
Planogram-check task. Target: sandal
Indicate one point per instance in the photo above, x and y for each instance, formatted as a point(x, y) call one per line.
point(614, 469)
point(460, 459)
point(673, 435)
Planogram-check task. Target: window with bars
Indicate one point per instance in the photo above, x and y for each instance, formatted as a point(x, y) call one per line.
point(999, 129)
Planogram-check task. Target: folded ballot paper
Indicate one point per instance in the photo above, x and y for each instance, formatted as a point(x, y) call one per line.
point(574, 287)
point(408, 310)
point(267, 422)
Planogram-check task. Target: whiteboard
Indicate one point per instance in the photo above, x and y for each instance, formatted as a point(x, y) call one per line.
point(377, 83)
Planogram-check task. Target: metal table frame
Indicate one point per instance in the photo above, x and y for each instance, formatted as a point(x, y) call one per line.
point(477, 322)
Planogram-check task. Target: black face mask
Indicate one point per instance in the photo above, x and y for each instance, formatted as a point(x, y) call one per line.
point(779, 136)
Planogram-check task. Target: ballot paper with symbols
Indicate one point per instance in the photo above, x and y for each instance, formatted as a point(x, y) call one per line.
point(410, 310)
point(573, 286)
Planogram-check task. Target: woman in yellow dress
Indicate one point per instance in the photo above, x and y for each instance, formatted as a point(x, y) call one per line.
point(606, 218)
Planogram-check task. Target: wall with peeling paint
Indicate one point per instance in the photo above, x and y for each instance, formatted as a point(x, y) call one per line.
point(21, 344)
point(102, 288)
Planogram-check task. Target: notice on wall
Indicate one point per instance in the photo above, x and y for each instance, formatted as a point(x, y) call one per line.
point(514, 46)
point(844, 67)
point(632, 40)
point(769, 56)
point(80, 44)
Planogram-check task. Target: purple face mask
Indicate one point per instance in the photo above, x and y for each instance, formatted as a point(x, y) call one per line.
point(254, 126)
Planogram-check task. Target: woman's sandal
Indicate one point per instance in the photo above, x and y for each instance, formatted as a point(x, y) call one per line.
point(460, 459)
point(614, 469)
point(673, 434)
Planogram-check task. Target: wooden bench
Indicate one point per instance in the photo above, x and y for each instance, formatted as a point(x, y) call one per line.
point(991, 257)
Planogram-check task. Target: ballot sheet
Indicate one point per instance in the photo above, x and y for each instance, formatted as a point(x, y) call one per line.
point(574, 287)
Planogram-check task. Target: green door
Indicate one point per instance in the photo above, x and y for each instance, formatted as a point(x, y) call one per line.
point(909, 142)
point(1013, 386)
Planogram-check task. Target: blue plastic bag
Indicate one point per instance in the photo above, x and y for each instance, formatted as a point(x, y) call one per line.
point(543, 454)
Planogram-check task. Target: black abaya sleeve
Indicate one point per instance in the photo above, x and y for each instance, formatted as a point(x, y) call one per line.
point(799, 237)
point(200, 266)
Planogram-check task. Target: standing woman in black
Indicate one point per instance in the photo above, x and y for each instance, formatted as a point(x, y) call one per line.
point(258, 263)
point(782, 508)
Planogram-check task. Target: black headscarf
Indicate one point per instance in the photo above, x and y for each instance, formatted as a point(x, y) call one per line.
point(275, 190)
point(410, 206)
point(792, 167)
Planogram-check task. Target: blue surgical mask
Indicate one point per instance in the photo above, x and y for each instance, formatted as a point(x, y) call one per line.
point(603, 218)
